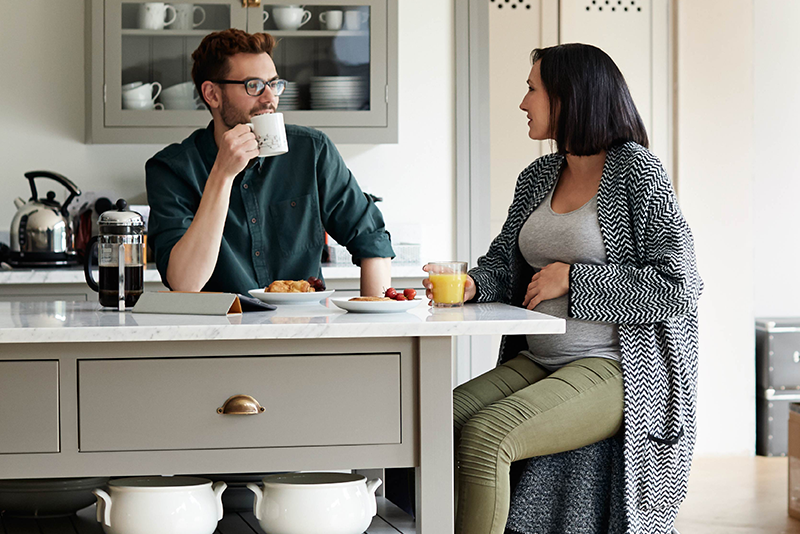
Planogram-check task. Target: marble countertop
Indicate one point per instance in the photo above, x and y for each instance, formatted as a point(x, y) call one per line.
point(60, 321)
point(74, 275)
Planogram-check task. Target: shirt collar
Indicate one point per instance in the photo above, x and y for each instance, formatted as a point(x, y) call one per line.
point(208, 146)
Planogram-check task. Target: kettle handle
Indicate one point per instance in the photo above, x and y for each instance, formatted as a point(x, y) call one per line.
point(63, 180)
point(87, 263)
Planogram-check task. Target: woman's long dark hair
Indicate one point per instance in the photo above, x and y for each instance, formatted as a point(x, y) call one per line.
point(591, 108)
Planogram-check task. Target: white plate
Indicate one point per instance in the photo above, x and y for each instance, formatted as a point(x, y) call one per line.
point(290, 298)
point(376, 306)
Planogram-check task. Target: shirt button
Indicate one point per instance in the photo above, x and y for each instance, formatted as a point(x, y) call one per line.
point(258, 253)
point(244, 185)
point(294, 203)
point(253, 220)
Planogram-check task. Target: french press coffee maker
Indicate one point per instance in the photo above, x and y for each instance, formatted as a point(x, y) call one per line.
point(120, 257)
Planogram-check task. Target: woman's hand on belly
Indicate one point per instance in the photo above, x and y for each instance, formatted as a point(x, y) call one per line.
point(551, 282)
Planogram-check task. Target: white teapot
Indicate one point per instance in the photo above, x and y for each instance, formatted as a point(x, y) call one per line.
point(160, 505)
point(299, 503)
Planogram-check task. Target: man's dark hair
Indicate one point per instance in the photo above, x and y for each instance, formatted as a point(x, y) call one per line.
point(591, 108)
point(211, 57)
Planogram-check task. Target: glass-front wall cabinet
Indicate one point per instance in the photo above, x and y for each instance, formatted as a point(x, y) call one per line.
point(339, 61)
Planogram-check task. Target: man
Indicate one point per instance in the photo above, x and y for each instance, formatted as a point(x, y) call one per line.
point(222, 219)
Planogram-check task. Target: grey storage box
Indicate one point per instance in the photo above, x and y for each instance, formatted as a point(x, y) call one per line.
point(778, 354)
point(772, 420)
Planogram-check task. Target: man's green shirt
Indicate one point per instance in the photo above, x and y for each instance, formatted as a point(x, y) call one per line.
point(280, 208)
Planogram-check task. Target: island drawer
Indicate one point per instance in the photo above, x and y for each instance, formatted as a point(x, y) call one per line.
point(29, 407)
point(172, 403)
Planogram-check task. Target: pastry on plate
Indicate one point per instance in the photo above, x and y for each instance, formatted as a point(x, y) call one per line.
point(289, 286)
point(369, 299)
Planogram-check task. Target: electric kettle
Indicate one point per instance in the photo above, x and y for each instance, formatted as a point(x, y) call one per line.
point(120, 256)
point(41, 233)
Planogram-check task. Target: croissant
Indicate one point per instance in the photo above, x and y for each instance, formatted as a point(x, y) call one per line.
point(290, 286)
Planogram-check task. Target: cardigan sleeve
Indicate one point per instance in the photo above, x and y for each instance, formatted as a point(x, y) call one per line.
point(663, 285)
point(493, 275)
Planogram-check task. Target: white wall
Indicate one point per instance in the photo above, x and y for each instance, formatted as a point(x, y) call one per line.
point(714, 178)
point(776, 191)
point(42, 119)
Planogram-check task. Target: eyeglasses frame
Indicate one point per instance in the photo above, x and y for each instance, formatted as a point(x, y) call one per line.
point(270, 84)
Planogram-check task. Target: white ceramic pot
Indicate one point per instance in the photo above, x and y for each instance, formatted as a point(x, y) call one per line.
point(160, 505)
point(300, 503)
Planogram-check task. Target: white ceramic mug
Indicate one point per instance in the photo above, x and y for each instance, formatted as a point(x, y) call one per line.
point(353, 19)
point(141, 104)
point(270, 133)
point(185, 15)
point(160, 505)
point(290, 17)
point(331, 20)
point(141, 90)
point(152, 15)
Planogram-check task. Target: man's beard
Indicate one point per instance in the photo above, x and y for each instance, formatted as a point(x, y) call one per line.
point(232, 116)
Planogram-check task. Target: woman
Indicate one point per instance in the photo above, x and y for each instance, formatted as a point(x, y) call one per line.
point(594, 235)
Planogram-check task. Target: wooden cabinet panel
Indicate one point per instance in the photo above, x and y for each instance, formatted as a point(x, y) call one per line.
point(171, 404)
point(29, 407)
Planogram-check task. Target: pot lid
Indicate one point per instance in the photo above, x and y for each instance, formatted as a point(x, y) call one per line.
point(121, 216)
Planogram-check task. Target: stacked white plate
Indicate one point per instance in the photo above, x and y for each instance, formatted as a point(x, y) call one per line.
point(339, 92)
point(290, 99)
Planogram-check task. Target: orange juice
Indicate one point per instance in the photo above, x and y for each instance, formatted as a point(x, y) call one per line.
point(448, 288)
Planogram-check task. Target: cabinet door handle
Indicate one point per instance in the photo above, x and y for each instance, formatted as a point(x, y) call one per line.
point(241, 405)
point(251, 3)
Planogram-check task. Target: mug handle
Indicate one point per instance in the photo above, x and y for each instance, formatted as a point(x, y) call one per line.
point(202, 16)
point(87, 264)
point(364, 17)
point(155, 106)
point(158, 92)
point(323, 18)
point(265, 17)
point(174, 15)
point(306, 18)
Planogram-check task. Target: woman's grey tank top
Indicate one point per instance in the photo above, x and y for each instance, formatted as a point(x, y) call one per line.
point(572, 237)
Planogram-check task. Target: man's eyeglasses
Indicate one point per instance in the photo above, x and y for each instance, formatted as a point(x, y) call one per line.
point(256, 86)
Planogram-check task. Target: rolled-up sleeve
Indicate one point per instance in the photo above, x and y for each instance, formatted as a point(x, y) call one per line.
point(348, 215)
point(173, 203)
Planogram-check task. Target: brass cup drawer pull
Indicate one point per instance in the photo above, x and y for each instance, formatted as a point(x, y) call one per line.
point(241, 405)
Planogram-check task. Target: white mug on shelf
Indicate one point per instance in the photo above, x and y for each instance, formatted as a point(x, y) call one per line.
point(290, 17)
point(270, 133)
point(141, 90)
point(331, 20)
point(185, 15)
point(353, 19)
point(153, 15)
point(143, 104)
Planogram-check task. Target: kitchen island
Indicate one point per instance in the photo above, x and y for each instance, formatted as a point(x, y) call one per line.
point(89, 392)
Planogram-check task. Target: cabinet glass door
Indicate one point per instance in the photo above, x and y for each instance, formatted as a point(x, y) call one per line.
point(148, 59)
point(333, 57)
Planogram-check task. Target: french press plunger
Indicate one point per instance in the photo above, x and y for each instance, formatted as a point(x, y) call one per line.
point(120, 255)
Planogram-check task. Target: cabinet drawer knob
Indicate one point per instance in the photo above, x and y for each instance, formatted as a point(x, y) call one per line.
point(241, 405)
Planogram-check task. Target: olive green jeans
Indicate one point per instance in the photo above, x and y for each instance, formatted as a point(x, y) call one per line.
point(520, 410)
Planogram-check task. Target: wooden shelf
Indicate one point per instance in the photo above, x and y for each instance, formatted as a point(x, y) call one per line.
point(276, 33)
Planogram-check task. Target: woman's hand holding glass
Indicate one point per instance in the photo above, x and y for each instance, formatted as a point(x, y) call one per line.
point(469, 285)
point(551, 282)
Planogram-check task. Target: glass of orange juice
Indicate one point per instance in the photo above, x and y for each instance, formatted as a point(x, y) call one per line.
point(447, 283)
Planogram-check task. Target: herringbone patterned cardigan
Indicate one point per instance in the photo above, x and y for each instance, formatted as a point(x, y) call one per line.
point(650, 287)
